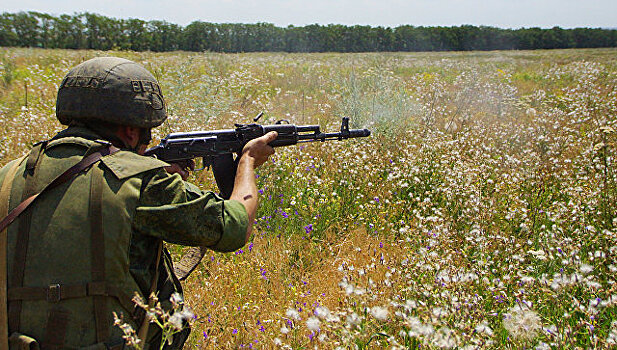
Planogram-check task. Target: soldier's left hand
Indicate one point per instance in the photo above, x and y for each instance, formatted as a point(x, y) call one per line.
point(182, 169)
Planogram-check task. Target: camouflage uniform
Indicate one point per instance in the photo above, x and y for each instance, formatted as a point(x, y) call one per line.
point(141, 205)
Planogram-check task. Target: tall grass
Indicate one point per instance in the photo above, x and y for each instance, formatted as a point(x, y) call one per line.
point(479, 214)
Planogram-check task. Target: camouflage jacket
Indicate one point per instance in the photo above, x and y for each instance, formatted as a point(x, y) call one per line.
point(141, 205)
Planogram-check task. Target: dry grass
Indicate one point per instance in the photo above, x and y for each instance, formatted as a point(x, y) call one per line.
point(481, 213)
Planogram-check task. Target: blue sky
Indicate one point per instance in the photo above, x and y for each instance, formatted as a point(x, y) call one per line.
point(498, 13)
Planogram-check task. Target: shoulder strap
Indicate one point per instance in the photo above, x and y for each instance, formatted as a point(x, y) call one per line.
point(62, 178)
point(142, 333)
point(14, 309)
point(5, 198)
point(97, 251)
point(16, 276)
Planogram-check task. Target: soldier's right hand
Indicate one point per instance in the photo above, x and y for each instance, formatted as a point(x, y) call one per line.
point(258, 149)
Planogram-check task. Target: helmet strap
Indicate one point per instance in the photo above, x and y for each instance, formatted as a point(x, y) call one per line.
point(145, 136)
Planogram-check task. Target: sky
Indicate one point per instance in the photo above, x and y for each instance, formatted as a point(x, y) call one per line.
point(389, 13)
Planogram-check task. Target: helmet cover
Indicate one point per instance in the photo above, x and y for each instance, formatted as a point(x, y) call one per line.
point(112, 90)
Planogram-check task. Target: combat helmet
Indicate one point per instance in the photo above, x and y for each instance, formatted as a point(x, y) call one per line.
point(111, 90)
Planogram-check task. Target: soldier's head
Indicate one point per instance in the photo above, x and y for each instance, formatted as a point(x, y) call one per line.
point(116, 97)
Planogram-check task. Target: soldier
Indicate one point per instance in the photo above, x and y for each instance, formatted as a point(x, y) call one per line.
point(83, 249)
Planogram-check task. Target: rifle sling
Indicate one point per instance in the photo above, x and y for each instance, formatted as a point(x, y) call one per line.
point(189, 262)
point(224, 168)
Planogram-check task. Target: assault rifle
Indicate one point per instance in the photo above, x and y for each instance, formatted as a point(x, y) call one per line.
point(217, 149)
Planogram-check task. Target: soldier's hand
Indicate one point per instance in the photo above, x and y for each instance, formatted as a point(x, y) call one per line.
point(258, 149)
point(181, 168)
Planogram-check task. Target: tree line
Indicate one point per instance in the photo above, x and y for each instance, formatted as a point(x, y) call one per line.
point(92, 31)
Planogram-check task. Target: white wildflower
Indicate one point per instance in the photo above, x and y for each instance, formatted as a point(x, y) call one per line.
point(552, 330)
point(484, 328)
point(593, 284)
point(179, 317)
point(444, 338)
point(531, 112)
point(522, 322)
point(353, 319)
point(426, 330)
point(359, 291)
point(470, 347)
point(130, 336)
point(415, 326)
point(586, 269)
point(439, 312)
point(349, 289)
point(575, 278)
point(380, 313)
point(322, 338)
point(313, 324)
point(293, 314)
point(322, 312)
point(611, 339)
point(333, 318)
point(410, 305)
point(176, 300)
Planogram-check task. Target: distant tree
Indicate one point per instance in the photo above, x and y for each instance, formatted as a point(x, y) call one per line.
point(88, 30)
point(98, 32)
point(164, 36)
point(8, 36)
point(529, 39)
point(25, 26)
point(139, 38)
point(295, 39)
point(195, 37)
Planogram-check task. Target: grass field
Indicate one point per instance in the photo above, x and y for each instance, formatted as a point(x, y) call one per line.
point(481, 213)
